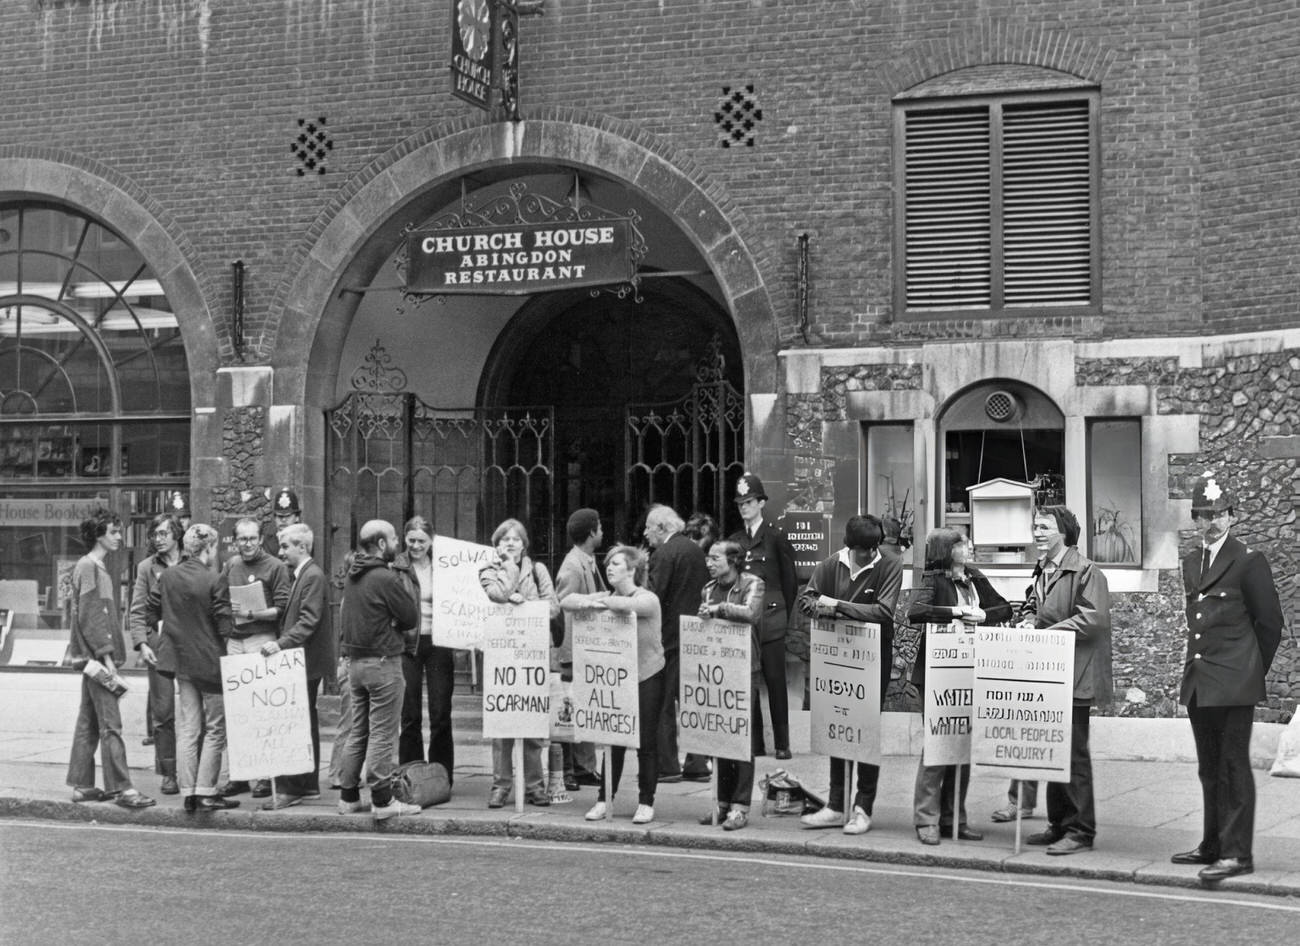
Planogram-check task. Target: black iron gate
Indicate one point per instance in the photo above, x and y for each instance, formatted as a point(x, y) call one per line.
point(688, 453)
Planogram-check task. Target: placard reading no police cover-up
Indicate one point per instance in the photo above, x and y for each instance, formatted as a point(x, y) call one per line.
point(268, 726)
point(460, 605)
point(949, 694)
point(845, 702)
point(714, 712)
point(606, 705)
point(1024, 701)
point(516, 658)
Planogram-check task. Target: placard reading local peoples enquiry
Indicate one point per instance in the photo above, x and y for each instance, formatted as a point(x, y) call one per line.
point(460, 605)
point(1024, 695)
point(949, 689)
point(516, 657)
point(268, 725)
point(606, 707)
point(714, 709)
point(846, 690)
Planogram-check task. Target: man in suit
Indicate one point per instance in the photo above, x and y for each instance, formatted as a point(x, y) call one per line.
point(678, 574)
point(769, 556)
point(306, 625)
point(1234, 624)
point(1070, 593)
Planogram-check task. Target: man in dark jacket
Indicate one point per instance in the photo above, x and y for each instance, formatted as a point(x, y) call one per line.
point(769, 556)
point(376, 608)
point(306, 625)
point(1070, 593)
point(1234, 623)
point(677, 576)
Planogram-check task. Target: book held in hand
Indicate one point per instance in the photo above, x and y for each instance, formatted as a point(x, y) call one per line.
point(112, 682)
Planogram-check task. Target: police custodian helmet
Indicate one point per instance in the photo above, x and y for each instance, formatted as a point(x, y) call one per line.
point(1209, 496)
point(749, 486)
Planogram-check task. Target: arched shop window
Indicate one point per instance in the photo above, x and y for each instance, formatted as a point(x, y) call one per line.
point(999, 429)
point(94, 409)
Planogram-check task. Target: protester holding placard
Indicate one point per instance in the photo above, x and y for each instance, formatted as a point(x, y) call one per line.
point(193, 604)
point(514, 578)
point(97, 636)
point(951, 590)
point(860, 584)
point(733, 595)
point(1070, 593)
point(425, 666)
point(625, 570)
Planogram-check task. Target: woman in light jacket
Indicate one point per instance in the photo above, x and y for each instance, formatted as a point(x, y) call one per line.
point(625, 569)
point(951, 590)
point(734, 595)
point(514, 578)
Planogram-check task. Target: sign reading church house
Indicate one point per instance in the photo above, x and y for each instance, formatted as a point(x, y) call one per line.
point(519, 259)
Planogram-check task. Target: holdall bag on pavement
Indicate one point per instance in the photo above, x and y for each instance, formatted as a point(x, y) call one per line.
point(421, 783)
point(783, 794)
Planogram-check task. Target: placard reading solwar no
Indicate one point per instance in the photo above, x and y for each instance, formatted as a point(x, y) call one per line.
point(1024, 701)
point(845, 698)
point(268, 726)
point(519, 260)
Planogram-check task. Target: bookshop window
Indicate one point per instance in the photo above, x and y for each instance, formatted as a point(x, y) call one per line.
point(94, 403)
point(1115, 491)
point(1000, 429)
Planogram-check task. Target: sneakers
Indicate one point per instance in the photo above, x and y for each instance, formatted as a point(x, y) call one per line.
point(644, 814)
point(737, 818)
point(596, 812)
point(351, 807)
point(1008, 813)
point(393, 809)
point(860, 823)
point(826, 817)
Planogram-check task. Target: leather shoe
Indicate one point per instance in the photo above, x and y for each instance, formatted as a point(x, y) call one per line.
point(216, 803)
point(1194, 856)
point(232, 788)
point(927, 834)
point(261, 789)
point(88, 794)
point(670, 777)
point(966, 834)
point(783, 754)
point(538, 798)
point(1044, 838)
point(1226, 867)
point(696, 776)
point(169, 786)
point(282, 800)
point(191, 804)
point(133, 800)
point(571, 784)
point(1069, 845)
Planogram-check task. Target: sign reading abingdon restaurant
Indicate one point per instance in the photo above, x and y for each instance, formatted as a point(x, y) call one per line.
point(519, 259)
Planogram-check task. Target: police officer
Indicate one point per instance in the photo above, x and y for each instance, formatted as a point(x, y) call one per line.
point(768, 555)
point(285, 511)
point(1234, 623)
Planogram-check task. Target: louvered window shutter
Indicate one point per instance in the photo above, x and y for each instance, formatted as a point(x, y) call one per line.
point(998, 206)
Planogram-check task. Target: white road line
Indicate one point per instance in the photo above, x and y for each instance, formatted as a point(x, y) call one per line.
point(998, 880)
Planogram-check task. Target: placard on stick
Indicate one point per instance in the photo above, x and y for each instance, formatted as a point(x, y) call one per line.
point(845, 702)
point(1024, 701)
point(268, 725)
point(714, 711)
point(949, 694)
point(516, 659)
point(606, 704)
point(460, 605)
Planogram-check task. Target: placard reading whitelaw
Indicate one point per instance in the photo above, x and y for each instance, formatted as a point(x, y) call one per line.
point(845, 672)
point(949, 694)
point(460, 605)
point(606, 708)
point(516, 657)
point(1024, 698)
point(714, 709)
point(268, 727)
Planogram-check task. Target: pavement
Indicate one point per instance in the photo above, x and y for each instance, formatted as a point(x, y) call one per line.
point(1148, 801)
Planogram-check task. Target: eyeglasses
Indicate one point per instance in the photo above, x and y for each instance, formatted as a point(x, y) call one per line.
point(163, 534)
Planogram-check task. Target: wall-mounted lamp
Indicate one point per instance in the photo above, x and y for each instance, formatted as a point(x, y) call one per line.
point(237, 307)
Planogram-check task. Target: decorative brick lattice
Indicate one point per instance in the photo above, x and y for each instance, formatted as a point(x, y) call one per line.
point(311, 146)
point(737, 116)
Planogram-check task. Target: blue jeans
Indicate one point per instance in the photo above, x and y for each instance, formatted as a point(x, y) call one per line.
point(936, 795)
point(99, 725)
point(344, 729)
point(162, 708)
point(503, 765)
point(200, 737)
point(376, 687)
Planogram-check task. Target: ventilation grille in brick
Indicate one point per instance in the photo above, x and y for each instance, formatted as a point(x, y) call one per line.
point(737, 116)
point(311, 146)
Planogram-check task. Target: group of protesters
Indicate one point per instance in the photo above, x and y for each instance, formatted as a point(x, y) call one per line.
point(182, 621)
